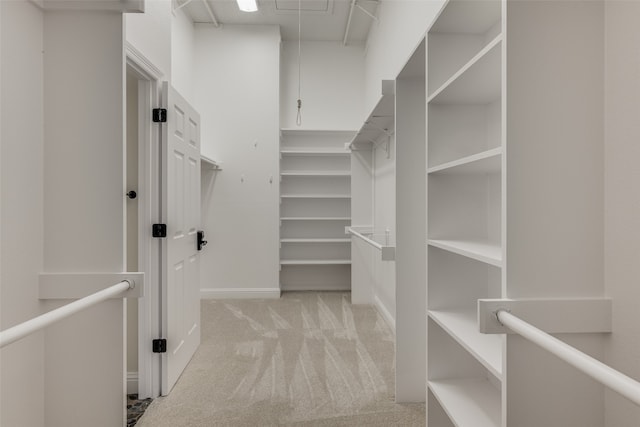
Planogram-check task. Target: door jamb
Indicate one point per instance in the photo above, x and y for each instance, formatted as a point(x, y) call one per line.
point(149, 313)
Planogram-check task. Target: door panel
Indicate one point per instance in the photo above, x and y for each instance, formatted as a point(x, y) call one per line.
point(181, 261)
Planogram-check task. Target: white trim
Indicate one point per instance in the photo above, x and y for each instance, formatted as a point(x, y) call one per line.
point(132, 383)
point(140, 63)
point(385, 313)
point(240, 293)
point(148, 76)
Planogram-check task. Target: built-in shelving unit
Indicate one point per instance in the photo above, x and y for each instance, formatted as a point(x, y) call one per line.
point(465, 244)
point(315, 208)
point(514, 210)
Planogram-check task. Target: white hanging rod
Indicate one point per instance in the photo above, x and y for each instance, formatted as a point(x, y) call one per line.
point(606, 375)
point(20, 331)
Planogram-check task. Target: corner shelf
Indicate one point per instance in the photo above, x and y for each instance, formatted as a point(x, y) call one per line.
point(469, 402)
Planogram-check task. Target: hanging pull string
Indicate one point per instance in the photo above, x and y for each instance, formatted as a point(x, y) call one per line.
point(299, 115)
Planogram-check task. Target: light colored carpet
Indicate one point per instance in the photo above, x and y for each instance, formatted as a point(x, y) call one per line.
point(307, 359)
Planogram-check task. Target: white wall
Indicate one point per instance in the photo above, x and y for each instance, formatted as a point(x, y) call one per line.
point(22, 363)
point(622, 199)
point(332, 84)
point(182, 51)
point(150, 33)
point(237, 76)
point(84, 210)
point(401, 27)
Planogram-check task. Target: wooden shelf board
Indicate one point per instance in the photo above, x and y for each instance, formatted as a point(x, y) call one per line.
point(316, 173)
point(469, 402)
point(286, 240)
point(462, 325)
point(489, 161)
point(477, 82)
point(299, 131)
point(314, 261)
point(480, 251)
point(315, 196)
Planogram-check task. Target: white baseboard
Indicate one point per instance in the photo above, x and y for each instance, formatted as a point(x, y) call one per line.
point(385, 313)
point(240, 293)
point(132, 383)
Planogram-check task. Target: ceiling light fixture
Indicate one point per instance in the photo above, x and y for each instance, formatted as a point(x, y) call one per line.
point(248, 5)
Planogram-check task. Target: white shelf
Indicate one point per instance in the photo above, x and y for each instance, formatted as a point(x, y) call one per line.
point(480, 251)
point(462, 325)
point(489, 161)
point(208, 163)
point(316, 173)
point(309, 240)
point(469, 402)
point(303, 152)
point(315, 218)
point(315, 196)
point(381, 119)
point(477, 82)
point(315, 261)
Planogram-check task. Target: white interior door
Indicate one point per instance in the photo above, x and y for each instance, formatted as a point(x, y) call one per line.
point(181, 213)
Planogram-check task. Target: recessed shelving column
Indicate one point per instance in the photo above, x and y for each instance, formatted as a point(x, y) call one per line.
point(315, 208)
point(465, 204)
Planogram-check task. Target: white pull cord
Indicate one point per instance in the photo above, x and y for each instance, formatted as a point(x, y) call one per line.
point(299, 114)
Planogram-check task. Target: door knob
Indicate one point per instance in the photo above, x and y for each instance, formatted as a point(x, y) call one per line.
point(132, 194)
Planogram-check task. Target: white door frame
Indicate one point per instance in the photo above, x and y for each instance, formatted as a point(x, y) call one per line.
point(149, 211)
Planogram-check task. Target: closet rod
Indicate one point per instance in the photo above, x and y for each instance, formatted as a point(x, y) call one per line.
point(604, 374)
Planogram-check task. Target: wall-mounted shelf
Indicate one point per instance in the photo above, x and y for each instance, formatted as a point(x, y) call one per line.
point(210, 164)
point(379, 123)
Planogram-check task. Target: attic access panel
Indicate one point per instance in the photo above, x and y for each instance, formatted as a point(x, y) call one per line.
point(316, 6)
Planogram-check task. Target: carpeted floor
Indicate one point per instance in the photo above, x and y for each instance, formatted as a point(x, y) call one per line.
point(308, 359)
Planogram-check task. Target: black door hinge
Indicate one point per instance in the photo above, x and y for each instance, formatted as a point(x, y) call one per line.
point(159, 230)
point(160, 346)
point(159, 115)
